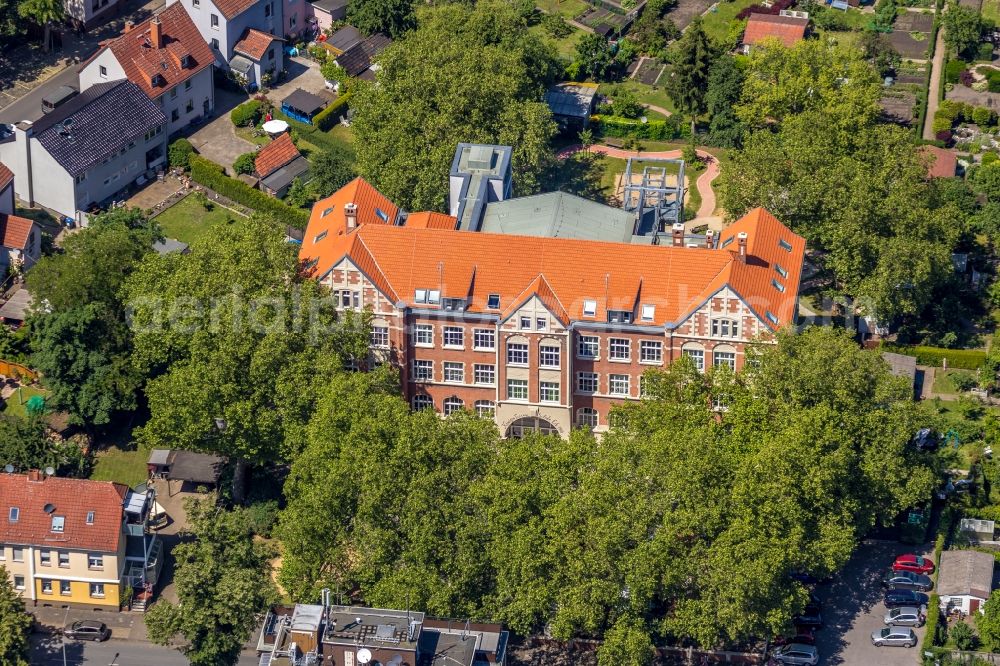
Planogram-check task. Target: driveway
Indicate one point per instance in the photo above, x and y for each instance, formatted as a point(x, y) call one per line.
point(216, 140)
point(853, 609)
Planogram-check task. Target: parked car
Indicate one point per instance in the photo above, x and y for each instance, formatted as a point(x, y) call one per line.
point(802, 636)
point(88, 630)
point(894, 636)
point(905, 616)
point(808, 620)
point(914, 563)
point(796, 653)
point(897, 598)
point(906, 580)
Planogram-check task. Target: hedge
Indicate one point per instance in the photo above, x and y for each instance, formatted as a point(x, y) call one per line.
point(326, 119)
point(616, 126)
point(245, 112)
point(179, 153)
point(965, 359)
point(310, 133)
point(935, 630)
point(212, 176)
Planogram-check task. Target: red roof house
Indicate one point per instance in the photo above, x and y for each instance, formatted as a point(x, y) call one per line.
point(786, 29)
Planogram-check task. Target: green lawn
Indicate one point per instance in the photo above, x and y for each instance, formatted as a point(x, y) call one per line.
point(15, 404)
point(247, 134)
point(655, 95)
point(568, 8)
point(121, 465)
point(944, 381)
point(991, 10)
point(565, 46)
point(188, 219)
point(718, 23)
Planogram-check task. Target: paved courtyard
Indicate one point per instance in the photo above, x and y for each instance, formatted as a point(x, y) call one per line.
point(215, 139)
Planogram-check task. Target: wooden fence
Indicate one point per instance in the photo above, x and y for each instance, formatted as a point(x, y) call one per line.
point(17, 370)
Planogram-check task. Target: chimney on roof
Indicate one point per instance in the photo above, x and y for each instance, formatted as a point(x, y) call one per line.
point(156, 33)
point(351, 214)
point(129, 25)
point(710, 239)
point(741, 239)
point(35, 475)
point(678, 234)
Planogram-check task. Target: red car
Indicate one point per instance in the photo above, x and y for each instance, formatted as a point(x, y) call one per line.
point(914, 563)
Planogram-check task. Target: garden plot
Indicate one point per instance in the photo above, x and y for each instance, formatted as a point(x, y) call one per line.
point(649, 71)
point(685, 11)
point(912, 45)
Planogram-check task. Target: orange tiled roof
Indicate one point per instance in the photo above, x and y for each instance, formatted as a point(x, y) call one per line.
point(143, 62)
point(275, 155)
point(431, 220)
point(373, 208)
point(941, 163)
point(71, 498)
point(231, 8)
point(6, 176)
point(565, 273)
point(14, 231)
point(787, 29)
point(254, 43)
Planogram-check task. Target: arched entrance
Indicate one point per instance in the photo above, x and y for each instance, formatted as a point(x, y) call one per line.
point(529, 424)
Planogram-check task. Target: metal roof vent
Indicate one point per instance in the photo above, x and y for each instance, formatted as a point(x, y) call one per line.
point(481, 157)
point(49, 508)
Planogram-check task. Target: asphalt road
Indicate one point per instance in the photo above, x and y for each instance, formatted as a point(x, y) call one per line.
point(29, 107)
point(47, 651)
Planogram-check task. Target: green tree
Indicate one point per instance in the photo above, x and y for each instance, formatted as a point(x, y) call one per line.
point(432, 95)
point(691, 62)
point(15, 623)
point(299, 194)
point(626, 104)
point(885, 16)
point(595, 56)
point(725, 86)
point(962, 29)
point(223, 580)
point(391, 17)
point(330, 171)
point(45, 13)
point(878, 51)
point(963, 635)
point(989, 623)
point(626, 645)
point(245, 163)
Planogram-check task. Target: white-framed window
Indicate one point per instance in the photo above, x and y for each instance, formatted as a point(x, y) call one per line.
point(17, 553)
point(65, 587)
point(648, 312)
point(619, 349)
point(422, 402)
point(215, 21)
point(643, 386)
point(196, 3)
point(3, 553)
point(586, 382)
point(586, 417)
point(18, 582)
point(484, 374)
point(484, 338)
point(517, 353)
point(548, 391)
point(517, 389)
point(525, 323)
point(58, 523)
point(423, 371)
point(45, 558)
point(454, 336)
point(423, 335)
point(452, 404)
point(548, 356)
point(90, 517)
point(618, 384)
point(588, 346)
point(651, 351)
point(63, 558)
point(485, 408)
point(380, 337)
point(46, 586)
point(725, 328)
point(696, 355)
point(97, 590)
point(454, 372)
point(104, 71)
point(724, 358)
point(720, 402)
point(493, 301)
point(541, 323)
point(95, 561)
point(589, 308)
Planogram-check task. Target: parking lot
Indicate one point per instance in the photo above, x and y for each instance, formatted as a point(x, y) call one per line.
point(853, 609)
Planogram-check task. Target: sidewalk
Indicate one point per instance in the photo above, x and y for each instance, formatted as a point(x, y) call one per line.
point(53, 619)
point(28, 66)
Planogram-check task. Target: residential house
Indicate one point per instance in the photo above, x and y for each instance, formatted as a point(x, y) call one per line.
point(325, 12)
point(940, 162)
point(965, 580)
point(20, 238)
point(278, 164)
point(541, 333)
point(87, 14)
point(7, 205)
point(167, 58)
point(359, 60)
point(257, 57)
point(572, 104)
point(226, 23)
point(73, 541)
point(321, 633)
point(88, 150)
point(788, 27)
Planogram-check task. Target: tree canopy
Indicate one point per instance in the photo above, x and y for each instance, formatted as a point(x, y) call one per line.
point(432, 93)
point(962, 29)
point(691, 58)
point(15, 623)
point(390, 17)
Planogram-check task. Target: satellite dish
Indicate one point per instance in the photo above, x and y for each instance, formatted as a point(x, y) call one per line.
point(8, 468)
point(364, 656)
point(49, 508)
point(50, 471)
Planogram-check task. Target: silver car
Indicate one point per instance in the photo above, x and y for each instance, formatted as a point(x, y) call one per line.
point(905, 616)
point(796, 653)
point(898, 636)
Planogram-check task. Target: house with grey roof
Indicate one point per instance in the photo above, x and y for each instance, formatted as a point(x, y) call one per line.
point(571, 104)
point(87, 150)
point(965, 580)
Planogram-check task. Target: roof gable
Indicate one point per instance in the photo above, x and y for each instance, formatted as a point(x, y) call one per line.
point(254, 44)
point(14, 231)
point(6, 176)
point(786, 29)
point(275, 155)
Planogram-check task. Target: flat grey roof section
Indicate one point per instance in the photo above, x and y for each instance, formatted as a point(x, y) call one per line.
point(372, 627)
point(16, 308)
point(571, 99)
point(286, 174)
point(901, 365)
point(477, 164)
point(559, 215)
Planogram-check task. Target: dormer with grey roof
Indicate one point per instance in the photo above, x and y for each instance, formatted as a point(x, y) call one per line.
point(480, 174)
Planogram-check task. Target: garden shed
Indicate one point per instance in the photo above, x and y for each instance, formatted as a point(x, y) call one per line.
point(302, 105)
point(965, 580)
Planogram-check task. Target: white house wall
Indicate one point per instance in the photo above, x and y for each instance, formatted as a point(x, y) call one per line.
point(91, 74)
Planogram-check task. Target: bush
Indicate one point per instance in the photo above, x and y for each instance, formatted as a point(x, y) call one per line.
point(211, 175)
point(985, 51)
point(658, 130)
point(245, 163)
point(943, 137)
point(556, 26)
point(989, 157)
point(179, 153)
point(993, 80)
point(626, 105)
point(330, 116)
point(963, 635)
point(966, 79)
point(966, 359)
point(246, 113)
point(984, 117)
point(262, 517)
point(953, 71)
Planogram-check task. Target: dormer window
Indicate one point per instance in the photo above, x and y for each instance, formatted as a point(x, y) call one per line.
point(58, 523)
point(434, 296)
point(648, 312)
point(14, 515)
point(186, 62)
point(453, 304)
point(589, 308)
point(493, 302)
point(619, 317)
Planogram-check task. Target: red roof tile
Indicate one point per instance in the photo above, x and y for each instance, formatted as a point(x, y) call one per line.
point(72, 499)
point(275, 155)
point(6, 176)
point(941, 163)
point(14, 231)
point(143, 61)
point(431, 220)
point(231, 8)
point(787, 29)
point(373, 208)
point(254, 43)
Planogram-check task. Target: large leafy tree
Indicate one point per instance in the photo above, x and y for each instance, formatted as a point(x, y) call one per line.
point(45, 13)
point(691, 59)
point(962, 29)
point(237, 342)
point(15, 623)
point(330, 171)
point(391, 17)
point(725, 87)
point(432, 94)
point(223, 579)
